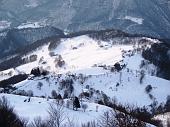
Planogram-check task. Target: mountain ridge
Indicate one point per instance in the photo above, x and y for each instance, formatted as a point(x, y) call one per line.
point(150, 18)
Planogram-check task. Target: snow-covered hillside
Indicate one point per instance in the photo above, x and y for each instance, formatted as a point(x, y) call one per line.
point(89, 66)
point(106, 82)
point(38, 107)
point(81, 54)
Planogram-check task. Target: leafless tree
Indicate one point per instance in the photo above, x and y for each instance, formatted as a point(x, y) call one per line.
point(119, 119)
point(57, 115)
point(90, 124)
point(107, 119)
point(38, 122)
point(70, 122)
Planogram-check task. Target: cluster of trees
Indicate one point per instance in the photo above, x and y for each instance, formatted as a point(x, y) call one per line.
point(67, 85)
point(24, 93)
point(38, 72)
point(13, 80)
point(59, 61)
point(12, 63)
point(29, 59)
point(54, 43)
point(116, 67)
point(10, 73)
point(142, 76)
point(107, 35)
point(159, 55)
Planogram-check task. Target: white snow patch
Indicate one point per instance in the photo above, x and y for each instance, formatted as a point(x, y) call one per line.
point(4, 24)
point(134, 19)
point(30, 25)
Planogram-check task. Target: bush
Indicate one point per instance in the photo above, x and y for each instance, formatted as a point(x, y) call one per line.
point(86, 94)
point(142, 75)
point(36, 71)
point(38, 122)
point(30, 93)
point(65, 94)
point(90, 124)
point(54, 94)
point(39, 85)
point(100, 102)
point(59, 61)
point(44, 72)
point(105, 99)
point(117, 66)
point(87, 86)
point(8, 118)
point(52, 54)
point(148, 88)
point(84, 107)
point(151, 96)
point(142, 64)
point(33, 58)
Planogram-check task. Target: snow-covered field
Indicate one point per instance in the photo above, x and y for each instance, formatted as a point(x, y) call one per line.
point(79, 54)
point(38, 107)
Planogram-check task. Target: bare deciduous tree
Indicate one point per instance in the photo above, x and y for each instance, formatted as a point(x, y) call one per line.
point(90, 124)
point(38, 122)
point(119, 119)
point(70, 122)
point(57, 115)
point(106, 120)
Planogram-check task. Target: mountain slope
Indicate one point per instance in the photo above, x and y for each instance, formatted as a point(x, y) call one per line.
point(143, 17)
point(13, 39)
point(98, 67)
